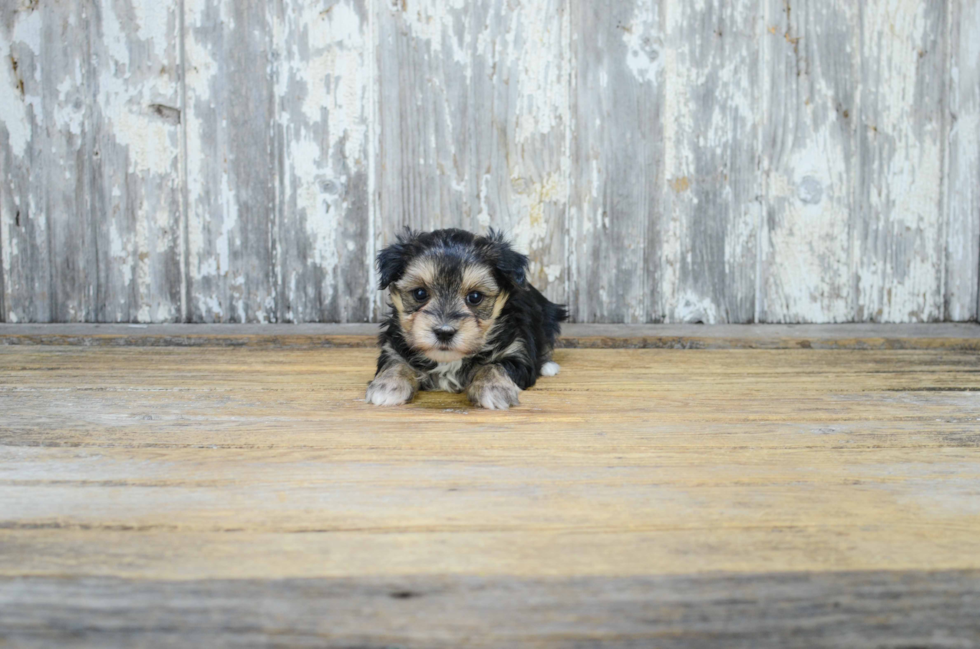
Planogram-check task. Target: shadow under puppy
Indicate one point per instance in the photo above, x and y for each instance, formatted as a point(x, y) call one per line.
point(463, 317)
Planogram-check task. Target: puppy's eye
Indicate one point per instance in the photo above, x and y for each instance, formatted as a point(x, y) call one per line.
point(420, 294)
point(474, 298)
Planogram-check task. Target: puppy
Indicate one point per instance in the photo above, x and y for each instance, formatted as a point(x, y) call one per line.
point(463, 317)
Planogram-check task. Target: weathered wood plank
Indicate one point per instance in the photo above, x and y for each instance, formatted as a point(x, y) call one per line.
point(231, 161)
point(951, 336)
point(617, 161)
point(963, 163)
point(474, 117)
point(323, 73)
point(852, 609)
point(712, 94)
point(91, 200)
point(183, 457)
point(23, 235)
point(809, 150)
point(69, 171)
point(49, 241)
point(854, 157)
point(3, 283)
point(135, 202)
point(824, 498)
point(898, 229)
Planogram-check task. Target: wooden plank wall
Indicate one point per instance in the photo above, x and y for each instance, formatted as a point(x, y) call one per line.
point(660, 160)
point(89, 143)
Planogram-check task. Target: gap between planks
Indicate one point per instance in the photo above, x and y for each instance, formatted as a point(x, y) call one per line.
point(952, 336)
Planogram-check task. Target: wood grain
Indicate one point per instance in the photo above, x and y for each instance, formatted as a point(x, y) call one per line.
point(231, 162)
point(963, 163)
point(23, 221)
point(710, 220)
point(617, 161)
point(949, 336)
point(809, 150)
point(898, 238)
point(323, 72)
point(135, 202)
point(142, 475)
point(799, 610)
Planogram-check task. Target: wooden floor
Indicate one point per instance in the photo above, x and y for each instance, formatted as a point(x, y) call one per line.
point(214, 496)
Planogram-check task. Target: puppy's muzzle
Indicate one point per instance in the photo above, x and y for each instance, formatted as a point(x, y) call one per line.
point(444, 333)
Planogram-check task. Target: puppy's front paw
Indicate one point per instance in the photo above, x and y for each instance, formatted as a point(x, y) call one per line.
point(389, 391)
point(492, 389)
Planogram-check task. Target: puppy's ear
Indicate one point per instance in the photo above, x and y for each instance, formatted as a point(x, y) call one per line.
point(393, 259)
point(511, 266)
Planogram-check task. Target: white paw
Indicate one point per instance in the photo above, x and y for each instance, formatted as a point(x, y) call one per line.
point(494, 390)
point(389, 391)
point(496, 397)
point(550, 368)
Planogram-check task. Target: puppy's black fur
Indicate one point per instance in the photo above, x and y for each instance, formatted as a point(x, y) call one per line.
point(518, 337)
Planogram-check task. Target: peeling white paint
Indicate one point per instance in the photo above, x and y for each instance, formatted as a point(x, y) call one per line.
point(708, 99)
point(26, 34)
point(553, 272)
point(962, 190)
point(229, 226)
point(904, 177)
point(432, 21)
point(69, 110)
point(483, 216)
point(809, 245)
point(308, 176)
point(155, 22)
point(323, 85)
point(643, 43)
point(805, 252)
point(691, 307)
point(200, 73)
point(542, 76)
point(529, 201)
point(138, 70)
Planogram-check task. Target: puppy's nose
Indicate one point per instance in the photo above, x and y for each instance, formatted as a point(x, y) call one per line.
point(444, 333)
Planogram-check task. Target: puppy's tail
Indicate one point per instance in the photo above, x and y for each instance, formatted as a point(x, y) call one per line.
point(554, 315)
point(557, 312)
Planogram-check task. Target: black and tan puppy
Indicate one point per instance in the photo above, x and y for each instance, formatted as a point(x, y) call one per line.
point(463, 317)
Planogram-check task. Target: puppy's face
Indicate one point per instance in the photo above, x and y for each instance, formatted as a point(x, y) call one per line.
point(447, 304)
point(448, 288)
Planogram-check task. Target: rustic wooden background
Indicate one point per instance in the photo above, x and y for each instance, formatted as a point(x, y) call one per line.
point(660, 160)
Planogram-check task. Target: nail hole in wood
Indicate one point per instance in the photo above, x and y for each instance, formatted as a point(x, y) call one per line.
point(403, 594)
point(168, 113)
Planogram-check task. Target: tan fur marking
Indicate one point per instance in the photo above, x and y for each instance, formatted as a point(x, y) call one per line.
point(408, 322)
point(420, 272)
point(418, 329)
point(477, 277)
point(396, 299)
point(498, 306)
